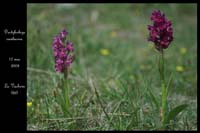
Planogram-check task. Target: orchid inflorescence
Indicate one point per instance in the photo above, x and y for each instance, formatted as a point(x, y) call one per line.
point(62, 51)
point(161, 32)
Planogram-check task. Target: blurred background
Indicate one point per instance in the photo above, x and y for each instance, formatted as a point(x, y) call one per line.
point(111, 44)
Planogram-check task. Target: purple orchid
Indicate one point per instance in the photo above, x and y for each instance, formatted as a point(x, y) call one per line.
point(161, 32)
point(62, 52)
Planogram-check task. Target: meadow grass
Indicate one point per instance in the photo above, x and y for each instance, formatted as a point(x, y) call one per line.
point(118, 89)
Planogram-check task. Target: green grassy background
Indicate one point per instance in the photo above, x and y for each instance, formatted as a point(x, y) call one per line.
point(122, 78)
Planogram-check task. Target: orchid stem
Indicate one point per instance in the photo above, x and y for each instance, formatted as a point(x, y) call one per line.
point(163, 87)
point(66, 93)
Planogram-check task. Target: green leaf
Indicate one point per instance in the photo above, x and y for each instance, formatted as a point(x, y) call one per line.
point(174, 112)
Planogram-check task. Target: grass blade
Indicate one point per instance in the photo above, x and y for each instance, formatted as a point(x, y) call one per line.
point(169, 83)
point(154, 99)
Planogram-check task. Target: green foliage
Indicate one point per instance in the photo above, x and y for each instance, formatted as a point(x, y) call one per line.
point(174, 112)
point(129, 102)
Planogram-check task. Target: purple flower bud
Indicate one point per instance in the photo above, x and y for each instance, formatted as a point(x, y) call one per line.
point(63, 34)
point(55, 53)
point(69, 60)
point(69, 46)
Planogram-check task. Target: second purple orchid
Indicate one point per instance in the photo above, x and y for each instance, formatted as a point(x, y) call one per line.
point(63, 51)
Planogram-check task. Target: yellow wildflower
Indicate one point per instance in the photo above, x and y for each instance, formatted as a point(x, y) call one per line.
point(179, 69)
point(105, 52)
point(29, 104)
point(113, 34)
point(183, 50)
